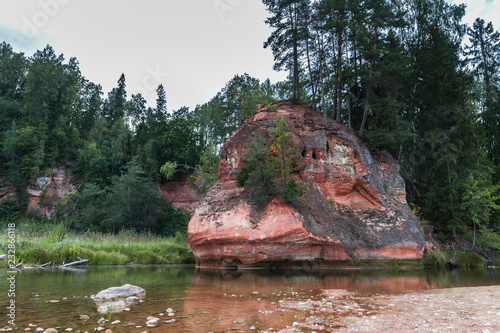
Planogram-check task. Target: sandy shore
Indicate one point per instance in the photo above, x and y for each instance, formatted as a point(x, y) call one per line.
point(471, 309)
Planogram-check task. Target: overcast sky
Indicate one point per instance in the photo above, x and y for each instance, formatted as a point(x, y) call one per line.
point(193, 47)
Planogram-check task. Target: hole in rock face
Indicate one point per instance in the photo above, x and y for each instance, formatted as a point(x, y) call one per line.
point(314, 156)
point(303, 153)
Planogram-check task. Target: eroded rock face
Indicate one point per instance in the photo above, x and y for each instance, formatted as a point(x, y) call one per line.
point(354, 206)
point(179, 193)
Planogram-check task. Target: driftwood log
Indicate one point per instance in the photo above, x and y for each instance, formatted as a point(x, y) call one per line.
point(3, 256)
point(78, 262)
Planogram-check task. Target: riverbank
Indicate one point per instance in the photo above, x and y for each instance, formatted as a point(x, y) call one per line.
point(127, 247)
point(468, 309)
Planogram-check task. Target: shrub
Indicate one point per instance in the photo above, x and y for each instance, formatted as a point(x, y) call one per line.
point(469, 259)
point(434, 259)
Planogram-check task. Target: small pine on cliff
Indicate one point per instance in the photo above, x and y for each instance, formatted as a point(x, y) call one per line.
point(353, 206)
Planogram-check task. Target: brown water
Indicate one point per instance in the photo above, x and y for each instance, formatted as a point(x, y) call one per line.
point(203, 300)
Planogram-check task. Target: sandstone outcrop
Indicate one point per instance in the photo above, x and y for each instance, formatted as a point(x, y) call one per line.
point(354, 206)
point(45, 194)
point(178, 192)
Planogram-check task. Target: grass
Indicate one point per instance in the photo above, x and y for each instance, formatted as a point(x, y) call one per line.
point(469, 259)
point(434, 259)
point(59, 246)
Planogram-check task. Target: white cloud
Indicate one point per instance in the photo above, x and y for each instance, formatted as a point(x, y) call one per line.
point(488, 10)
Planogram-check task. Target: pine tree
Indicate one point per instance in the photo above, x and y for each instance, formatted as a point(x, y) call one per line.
point(161, 102)
point(287, 20)
point(484, 55)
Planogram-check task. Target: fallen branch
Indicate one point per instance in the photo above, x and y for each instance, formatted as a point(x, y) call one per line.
point(80, 261)
point(3, 256)
point(46, 264)
point(18, 265)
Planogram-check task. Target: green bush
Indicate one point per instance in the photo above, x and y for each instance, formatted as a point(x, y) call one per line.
point(434, 259)
point(469, 259)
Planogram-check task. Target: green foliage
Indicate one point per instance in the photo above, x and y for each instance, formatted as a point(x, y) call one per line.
point(268, 168)
point(101, 249)
point(330, 201)
point(434, 259)
point(57, 232)
point(479, 201)
point(205, 174)
point(259, 172)
point(469, 259)
point(234, 104)
point(131, 201)
point(168, 170)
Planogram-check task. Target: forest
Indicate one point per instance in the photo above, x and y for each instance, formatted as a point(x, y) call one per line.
point(407, 75)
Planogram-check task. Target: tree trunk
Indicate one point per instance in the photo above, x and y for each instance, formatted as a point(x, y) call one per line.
point(313, 102)
point(295, 85)
point(320, 50)
point(339, 76)
point(366, 110)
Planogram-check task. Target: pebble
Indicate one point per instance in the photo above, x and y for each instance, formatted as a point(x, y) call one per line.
point(84, 317)
point(39, 329)
point(50, 330)
point(152, 322)
point(115, 322)
point(171, 314)
point(170, 321)
point(170, 310)
point(252, 328)
point(99, 329)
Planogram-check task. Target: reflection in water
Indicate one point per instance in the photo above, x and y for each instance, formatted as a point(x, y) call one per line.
point(205, 300)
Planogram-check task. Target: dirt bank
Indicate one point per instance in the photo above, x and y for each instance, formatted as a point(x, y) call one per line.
point(471, 309)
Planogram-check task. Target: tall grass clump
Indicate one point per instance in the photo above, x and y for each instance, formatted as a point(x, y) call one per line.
point(434, 259)
point(469, 259)
point(58, 246)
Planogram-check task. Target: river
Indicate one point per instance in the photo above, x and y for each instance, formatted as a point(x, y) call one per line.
point(203, 300)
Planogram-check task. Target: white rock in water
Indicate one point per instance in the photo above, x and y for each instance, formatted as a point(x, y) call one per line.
point(152, 322)
point(124, 291)
point(113, 307)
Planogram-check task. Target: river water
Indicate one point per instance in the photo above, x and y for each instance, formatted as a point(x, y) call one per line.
point(203, 300)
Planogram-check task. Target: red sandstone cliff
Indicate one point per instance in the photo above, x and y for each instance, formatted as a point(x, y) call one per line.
point(354, 206)
point(178, 192)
